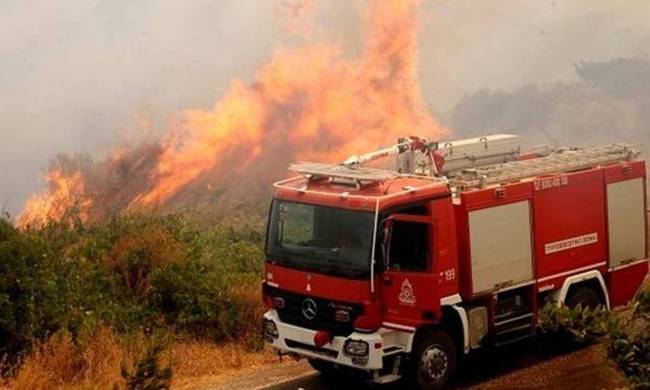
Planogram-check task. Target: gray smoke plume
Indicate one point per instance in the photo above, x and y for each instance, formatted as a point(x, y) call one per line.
point(609, 103)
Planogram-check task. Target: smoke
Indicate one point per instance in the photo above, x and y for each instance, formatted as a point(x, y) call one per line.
point(309, 101)
point(504, 44)
point(80, 76)
point(87, 76)
point(610, 102)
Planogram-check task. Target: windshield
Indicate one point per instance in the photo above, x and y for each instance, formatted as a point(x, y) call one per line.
point(321, 239)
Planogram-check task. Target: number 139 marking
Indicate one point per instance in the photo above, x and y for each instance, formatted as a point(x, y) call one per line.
point(449, 274)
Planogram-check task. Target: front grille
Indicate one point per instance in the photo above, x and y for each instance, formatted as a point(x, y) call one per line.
point(292, 312)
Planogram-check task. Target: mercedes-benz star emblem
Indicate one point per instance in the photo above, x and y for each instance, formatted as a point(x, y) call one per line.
point(309, 309)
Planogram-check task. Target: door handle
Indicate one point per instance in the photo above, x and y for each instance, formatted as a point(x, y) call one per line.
point(388, 280)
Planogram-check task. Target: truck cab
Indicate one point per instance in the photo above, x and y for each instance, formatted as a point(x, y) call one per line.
point(399, 274)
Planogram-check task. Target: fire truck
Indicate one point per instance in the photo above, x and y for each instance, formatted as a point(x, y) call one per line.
point(400, 272)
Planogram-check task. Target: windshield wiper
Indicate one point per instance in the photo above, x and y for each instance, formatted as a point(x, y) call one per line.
point(322, 259)
point(353, 269)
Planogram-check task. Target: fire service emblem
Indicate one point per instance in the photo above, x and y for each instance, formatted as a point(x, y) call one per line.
point(406, 294)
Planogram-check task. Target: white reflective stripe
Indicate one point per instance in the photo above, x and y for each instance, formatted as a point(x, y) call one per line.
point(628, 265)
point(398, 326)
point(451, 300)
point(575, 271)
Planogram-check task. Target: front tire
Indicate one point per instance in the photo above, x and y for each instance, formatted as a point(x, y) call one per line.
point(433, 362)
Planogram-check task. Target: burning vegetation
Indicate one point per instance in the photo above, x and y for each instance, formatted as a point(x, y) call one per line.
point(64, 194)
point(308, 102)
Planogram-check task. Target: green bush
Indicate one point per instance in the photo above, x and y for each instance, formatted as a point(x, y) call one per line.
point(626, 333)
point(130, 273)
point(581, 325)
point(31, 305)
point(628, 343)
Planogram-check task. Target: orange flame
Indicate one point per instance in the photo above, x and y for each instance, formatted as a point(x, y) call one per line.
point(64, 193)
point(309, 102)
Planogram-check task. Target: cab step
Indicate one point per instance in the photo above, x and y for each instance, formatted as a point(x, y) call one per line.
point(510, 330)
point(515, 319)
point(389, 376)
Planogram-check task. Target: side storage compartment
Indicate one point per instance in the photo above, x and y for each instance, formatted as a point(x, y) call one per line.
point(627, 230)
point(627, 219)
point(500, 242)
point(570, 223)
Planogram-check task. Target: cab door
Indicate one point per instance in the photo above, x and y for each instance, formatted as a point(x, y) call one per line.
point(409, 284)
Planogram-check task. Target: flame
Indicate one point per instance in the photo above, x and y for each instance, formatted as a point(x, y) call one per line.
point(64, 193)
point(308, 102)
point(207, 136)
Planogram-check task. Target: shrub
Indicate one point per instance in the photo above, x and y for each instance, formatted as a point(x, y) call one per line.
point(31, 306)
point(206, 302)
point(136, 255)
point(581, 325)
point(629, 342)
point(626, 333)
point(129, 273)
point(147, 373)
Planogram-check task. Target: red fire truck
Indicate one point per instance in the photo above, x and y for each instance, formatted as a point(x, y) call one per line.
point(400, 272)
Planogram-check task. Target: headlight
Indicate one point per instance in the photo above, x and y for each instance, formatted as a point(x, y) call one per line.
point(356, 348)
point(271, 329)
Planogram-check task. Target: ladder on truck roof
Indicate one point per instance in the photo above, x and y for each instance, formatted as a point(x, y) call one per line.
point(418, 157)
point(560, 161)
point(337, 171)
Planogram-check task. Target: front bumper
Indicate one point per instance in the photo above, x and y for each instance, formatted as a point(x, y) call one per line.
point(297, 340)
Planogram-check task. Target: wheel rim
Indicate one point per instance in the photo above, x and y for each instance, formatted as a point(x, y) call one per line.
point(434, 364)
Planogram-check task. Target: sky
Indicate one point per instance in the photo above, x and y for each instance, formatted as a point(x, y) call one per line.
point(78, 76)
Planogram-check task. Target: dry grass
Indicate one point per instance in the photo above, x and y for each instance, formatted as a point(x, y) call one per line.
point(199, 363)
point(60, 364)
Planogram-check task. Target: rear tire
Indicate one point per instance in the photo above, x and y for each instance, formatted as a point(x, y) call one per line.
point(585, 295)
point(433, 362)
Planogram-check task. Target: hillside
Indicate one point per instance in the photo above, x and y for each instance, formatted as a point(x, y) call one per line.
point(610, 102)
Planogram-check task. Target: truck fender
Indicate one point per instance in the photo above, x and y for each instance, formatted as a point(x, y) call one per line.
point(454, 321)
point(462, 315)
point(560, 295)
point(455, 316)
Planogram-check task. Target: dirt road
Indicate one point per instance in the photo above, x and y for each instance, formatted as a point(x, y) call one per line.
point(535, 365)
